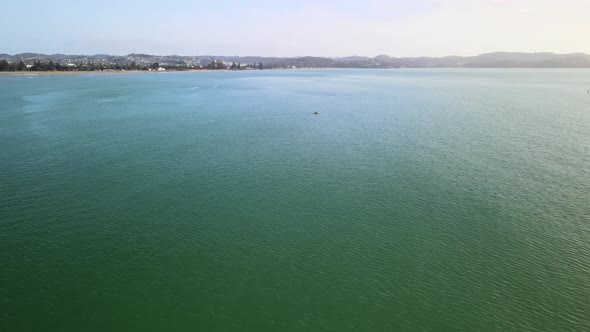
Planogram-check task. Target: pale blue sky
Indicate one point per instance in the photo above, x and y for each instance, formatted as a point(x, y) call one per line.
point(292, 28)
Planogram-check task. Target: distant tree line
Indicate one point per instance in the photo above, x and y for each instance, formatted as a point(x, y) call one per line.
point(90, 66)
point(50, 65)
point(218, 64)
point(6, 66)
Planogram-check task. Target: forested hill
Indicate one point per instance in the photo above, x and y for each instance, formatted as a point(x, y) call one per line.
point(38, 61)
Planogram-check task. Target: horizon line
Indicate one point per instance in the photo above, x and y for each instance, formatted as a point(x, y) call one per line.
point(300, 56)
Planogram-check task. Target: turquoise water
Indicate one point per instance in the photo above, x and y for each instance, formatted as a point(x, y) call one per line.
point(417, 200)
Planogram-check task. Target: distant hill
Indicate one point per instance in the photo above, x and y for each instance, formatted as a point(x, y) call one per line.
point(353, 58)
point(487, 60)
point(528, 60)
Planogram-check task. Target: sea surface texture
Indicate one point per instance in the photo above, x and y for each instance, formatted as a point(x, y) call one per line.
point(416, 200)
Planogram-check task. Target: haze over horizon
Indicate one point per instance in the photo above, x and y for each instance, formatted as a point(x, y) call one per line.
point(297, 28)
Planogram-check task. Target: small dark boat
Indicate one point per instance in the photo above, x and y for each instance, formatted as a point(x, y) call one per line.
point(315, 113)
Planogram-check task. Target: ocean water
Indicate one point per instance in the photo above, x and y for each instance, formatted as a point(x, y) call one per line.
point(416, 200)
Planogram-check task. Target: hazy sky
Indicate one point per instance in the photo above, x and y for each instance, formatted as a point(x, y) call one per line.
point(292, 28)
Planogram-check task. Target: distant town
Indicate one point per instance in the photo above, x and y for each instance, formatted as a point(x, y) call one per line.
point(145, 62)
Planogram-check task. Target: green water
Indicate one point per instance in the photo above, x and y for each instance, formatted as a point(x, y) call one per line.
point(417, 200)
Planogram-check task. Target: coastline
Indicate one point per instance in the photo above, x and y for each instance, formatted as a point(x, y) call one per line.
point(105, 72)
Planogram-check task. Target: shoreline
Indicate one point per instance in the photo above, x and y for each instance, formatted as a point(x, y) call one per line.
point(110, 72)
point(106, 72)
